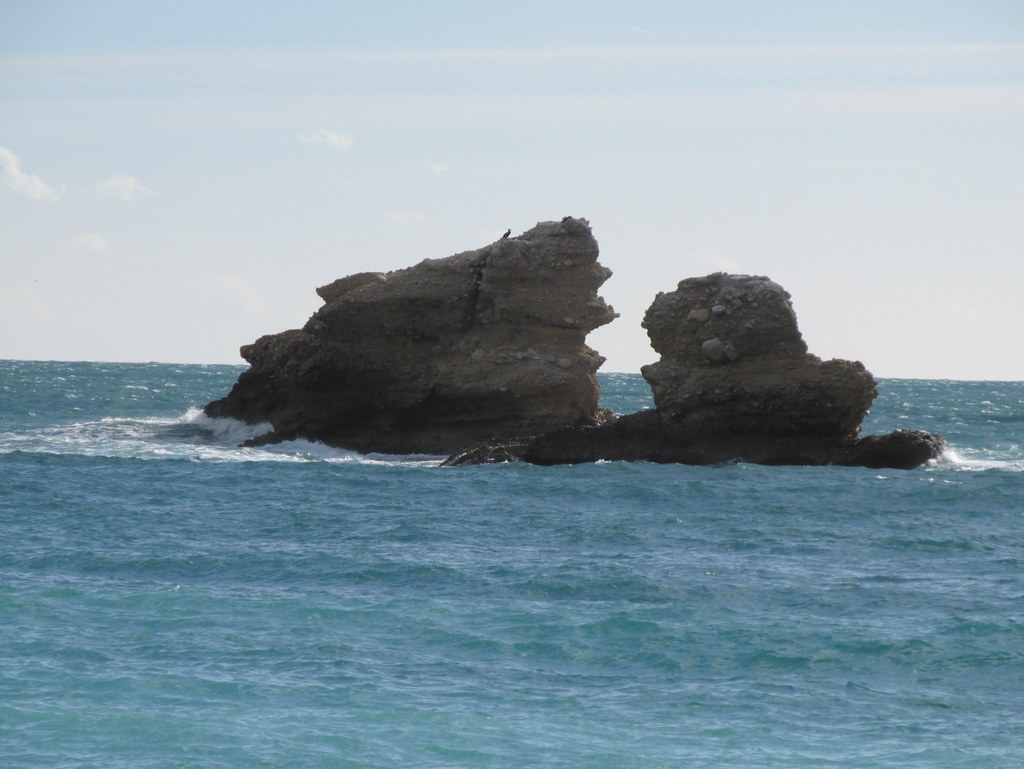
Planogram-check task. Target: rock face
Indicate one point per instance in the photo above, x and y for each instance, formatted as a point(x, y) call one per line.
point(735, 382)
point(483, 345)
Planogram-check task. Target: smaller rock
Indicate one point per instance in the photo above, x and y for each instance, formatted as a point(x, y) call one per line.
point(488, 454)
point(718, 309)
point(902, 449)
point(699, 315)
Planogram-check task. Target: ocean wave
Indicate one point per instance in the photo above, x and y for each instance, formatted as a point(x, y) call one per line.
point(224, 429)
point(191, 436)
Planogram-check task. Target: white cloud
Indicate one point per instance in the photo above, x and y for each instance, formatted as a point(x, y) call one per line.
point(328, 138)
point(89, 241)
point(122, 188)
point(435, 168)
point(25, 184)
point(406, 217)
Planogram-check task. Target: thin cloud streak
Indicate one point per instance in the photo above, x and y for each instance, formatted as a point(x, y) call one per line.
point(328, 138)
point(594, 53)
point(169, 72)
point(693, 107)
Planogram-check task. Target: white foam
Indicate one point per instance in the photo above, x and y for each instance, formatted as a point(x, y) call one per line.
point(225, 429)
point(314, 451)
point(197, 437)
point(193, 436)
point(951, 459)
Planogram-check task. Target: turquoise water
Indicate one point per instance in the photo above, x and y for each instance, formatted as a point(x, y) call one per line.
point(168, 599)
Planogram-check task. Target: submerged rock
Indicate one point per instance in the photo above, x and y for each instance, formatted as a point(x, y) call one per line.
point(483, 345)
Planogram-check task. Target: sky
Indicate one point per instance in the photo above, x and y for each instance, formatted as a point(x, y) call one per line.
point(176, 178)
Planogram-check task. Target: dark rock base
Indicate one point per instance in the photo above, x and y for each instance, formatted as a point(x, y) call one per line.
point(641, 437)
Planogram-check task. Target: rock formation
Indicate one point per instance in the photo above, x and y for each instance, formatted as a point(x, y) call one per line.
point(735, 381)
point(483, 345)
point(481, 355)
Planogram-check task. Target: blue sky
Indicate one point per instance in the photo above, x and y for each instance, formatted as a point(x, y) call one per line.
point(176, 178)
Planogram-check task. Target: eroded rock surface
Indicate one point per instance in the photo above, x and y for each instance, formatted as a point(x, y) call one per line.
point(483, 345)
point(733, 361)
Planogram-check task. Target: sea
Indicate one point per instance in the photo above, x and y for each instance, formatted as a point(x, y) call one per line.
point(171, 599)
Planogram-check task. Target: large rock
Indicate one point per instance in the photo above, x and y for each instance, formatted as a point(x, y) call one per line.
point(734, 382)
point(483, 345)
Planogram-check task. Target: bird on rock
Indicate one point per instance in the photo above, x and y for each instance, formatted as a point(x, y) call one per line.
point(507, 233)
